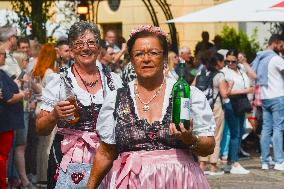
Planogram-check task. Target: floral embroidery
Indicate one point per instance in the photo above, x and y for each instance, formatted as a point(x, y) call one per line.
point(133, 134)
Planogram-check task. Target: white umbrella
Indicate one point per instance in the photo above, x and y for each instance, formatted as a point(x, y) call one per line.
point(238, 11)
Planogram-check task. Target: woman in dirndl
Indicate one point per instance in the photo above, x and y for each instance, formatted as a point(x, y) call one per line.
point(75, 144)
point(135, 127)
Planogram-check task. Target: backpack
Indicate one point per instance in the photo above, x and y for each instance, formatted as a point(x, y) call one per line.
point(204, 82)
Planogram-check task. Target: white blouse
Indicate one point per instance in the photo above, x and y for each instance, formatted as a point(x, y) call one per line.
point(50, 94)
point(201, 113)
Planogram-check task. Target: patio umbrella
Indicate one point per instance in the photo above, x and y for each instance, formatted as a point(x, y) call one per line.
point(238, 11)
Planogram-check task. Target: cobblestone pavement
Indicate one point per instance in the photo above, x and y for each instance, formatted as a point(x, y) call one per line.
point(257, 179)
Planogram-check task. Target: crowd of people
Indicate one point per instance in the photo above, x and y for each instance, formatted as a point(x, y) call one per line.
point(105, 138)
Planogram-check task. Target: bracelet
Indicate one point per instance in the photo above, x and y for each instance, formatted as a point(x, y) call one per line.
point(194, 145)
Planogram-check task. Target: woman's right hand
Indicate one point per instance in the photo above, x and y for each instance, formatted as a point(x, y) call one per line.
point(63, 110)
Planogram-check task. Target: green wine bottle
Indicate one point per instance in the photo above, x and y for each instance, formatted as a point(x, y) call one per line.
point(181, 99)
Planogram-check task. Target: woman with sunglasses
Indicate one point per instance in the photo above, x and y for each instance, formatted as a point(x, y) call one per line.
point(236, 74)
point(75, 143)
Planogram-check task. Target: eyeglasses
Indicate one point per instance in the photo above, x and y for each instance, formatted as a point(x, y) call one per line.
point(231, 62)
point(90, 43)
point(151, 54)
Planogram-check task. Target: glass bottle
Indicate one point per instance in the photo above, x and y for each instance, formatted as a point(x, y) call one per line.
point(181, 99)
point(66, 94)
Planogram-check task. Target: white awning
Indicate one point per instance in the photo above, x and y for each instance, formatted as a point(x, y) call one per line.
point(238, 11)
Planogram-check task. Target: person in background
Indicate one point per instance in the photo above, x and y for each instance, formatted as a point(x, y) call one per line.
point(243, 63)
point(111, 39)
point(21, 134)
point(8, 35)
point(44, 69)
point(11, 117)
point(241, 86)
point(269, 69)
point(24, 46)
point(106, 56)
point(63, 55)
point(197, 63)
point(217, 43)
point(173, 60)
point(185, 54)
point(213, 63)
point(204, 44)
point(45, 64)
point(153, 153)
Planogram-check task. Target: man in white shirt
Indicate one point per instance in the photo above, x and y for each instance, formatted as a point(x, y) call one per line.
point(269, 68)
point(24, 46)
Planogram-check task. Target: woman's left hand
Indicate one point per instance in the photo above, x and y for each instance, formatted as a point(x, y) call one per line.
point(185, 135)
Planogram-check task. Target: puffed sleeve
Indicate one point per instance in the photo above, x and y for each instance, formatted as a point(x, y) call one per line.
point(106, 122)
point(50, 93)
point(201, 113)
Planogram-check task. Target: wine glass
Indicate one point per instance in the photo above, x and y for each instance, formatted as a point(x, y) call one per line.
point(37, 81)
point(26, 87)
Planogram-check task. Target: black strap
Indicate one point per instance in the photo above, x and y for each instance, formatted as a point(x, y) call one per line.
point(214, 99)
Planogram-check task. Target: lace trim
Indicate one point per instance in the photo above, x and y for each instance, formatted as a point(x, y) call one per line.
point(48, 102)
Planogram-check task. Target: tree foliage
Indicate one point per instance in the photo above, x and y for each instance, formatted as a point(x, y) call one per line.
point(36, 12)
point(231, 39)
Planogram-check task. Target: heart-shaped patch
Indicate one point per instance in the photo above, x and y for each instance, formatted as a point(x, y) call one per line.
point(77, 177)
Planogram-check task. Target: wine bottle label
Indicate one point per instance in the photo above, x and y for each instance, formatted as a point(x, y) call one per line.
point(184, 108)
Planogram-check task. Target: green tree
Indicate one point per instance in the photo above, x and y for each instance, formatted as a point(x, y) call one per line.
point(36, 12)
point(231, 39)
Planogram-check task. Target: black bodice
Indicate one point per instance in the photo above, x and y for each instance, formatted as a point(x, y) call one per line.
point(134, 134)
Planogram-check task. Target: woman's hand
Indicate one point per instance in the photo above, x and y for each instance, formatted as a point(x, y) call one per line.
point(63, 110)
point(185, 135)
point(26, 94)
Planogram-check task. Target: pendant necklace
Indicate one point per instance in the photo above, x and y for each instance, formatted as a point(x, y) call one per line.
point(86, 83)
point(146, 106)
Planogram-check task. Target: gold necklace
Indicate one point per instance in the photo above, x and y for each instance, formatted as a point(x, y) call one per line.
point(146, 106)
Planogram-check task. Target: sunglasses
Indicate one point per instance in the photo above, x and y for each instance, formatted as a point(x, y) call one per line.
point(231, 62)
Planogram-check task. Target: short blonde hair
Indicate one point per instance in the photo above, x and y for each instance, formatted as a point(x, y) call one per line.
point(20, 57)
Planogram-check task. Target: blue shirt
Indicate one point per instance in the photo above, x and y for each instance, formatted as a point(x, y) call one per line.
point(11, 115)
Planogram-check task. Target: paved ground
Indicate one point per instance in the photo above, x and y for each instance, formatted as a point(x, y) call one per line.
point(257, 179)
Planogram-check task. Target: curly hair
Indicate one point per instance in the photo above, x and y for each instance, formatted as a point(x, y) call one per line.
point(148, 31)
point(46, 60)
point(79, 28)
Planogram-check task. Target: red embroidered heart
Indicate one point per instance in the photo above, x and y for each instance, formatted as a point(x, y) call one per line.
point(77, 177)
